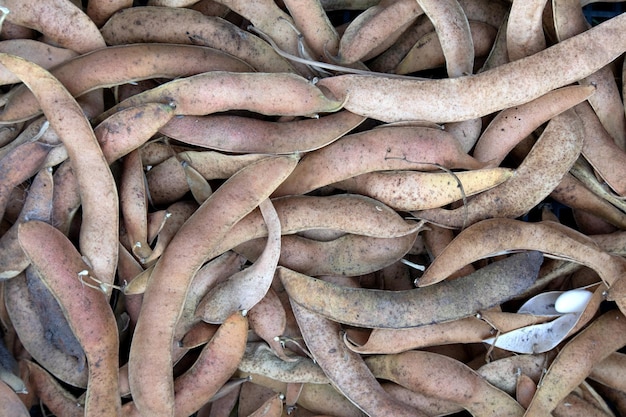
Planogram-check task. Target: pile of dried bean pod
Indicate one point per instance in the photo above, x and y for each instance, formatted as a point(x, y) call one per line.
point(304, 208)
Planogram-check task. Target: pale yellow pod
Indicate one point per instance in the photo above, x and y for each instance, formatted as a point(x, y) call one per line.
point(414, 190)
point(542, 170)
point(382, 149)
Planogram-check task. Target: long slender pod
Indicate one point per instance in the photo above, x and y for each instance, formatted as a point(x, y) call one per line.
point(99, 229)
point(462, 297)
point(575, 361)
point(150, 362)
point(345, 369)
point(468, 97)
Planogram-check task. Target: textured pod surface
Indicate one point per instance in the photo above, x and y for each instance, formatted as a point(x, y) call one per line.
point(440, 171)
point(449, 300)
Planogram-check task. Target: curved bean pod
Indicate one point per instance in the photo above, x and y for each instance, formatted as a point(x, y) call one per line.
point(100, 224)
point(196, 241)
point(472, 96)
point(459, 298)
